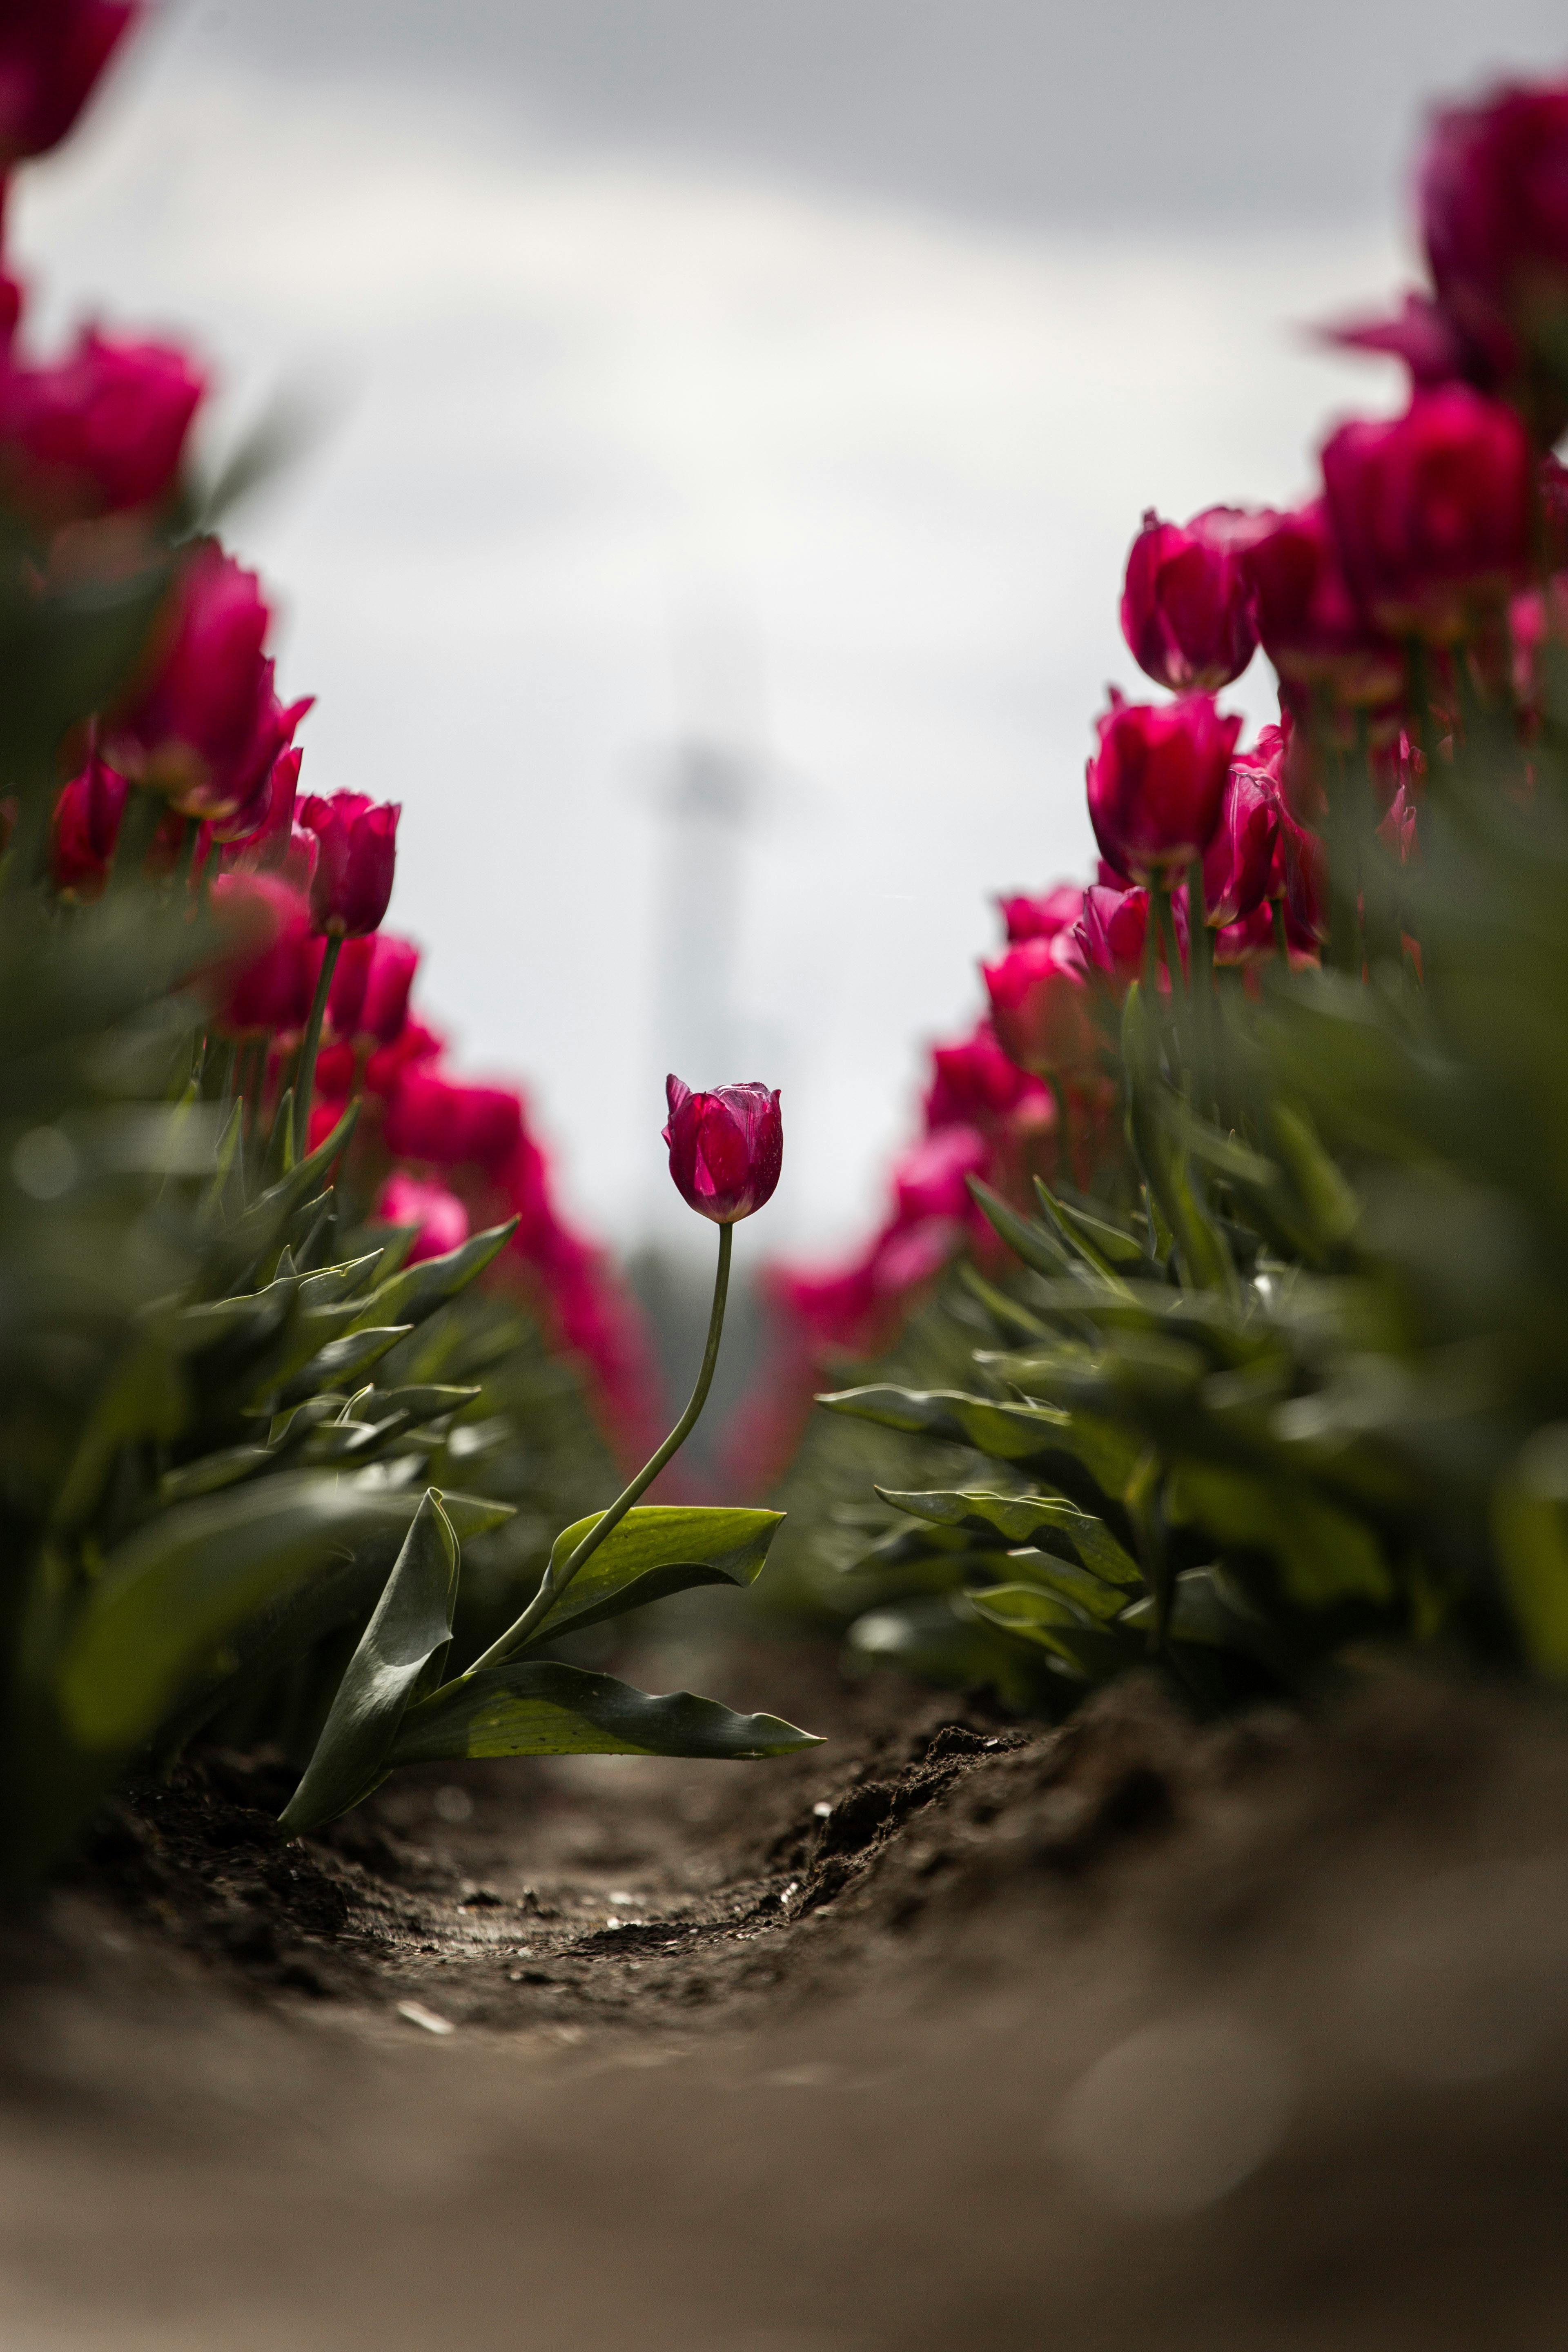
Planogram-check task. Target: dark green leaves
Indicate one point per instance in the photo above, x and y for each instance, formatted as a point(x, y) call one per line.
point(655, 1551)
point(554, 1710)
point(411, 1627)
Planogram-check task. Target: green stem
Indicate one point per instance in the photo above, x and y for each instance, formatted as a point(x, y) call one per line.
point(1281, 936)
point(555, 1580)
point(1200, 951)
point(27, 858)
point(142, 815)
point(1161, 894)
point(305, 1082)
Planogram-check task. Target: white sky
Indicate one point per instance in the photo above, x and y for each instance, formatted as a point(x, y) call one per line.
point(621, 447)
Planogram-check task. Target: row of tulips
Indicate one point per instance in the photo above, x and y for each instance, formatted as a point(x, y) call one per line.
point(192, 774)
point(1428, 574)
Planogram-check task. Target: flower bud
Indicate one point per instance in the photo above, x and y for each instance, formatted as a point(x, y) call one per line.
point(209, 728)
point(51, 53)
point(356, 840)
point(1431, 511)
point(1237, 860)
point(726, 1148)
point(1156, 783)
point(101, 431)
point(439, 1219)
point(1112, 935)
point(1187, 610)
point(1039, 1007)
point(86, 829)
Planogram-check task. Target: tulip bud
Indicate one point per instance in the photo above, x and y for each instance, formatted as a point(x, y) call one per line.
point(101, 431)
point(1156, 783)
point(51, 53)
point(266, 979)
point(356, 857)
point(1431, 512)
point(1187, 610)
point(1043, 918)
point(209, 728)
point(1309, 623)
point(1237, 860)
point(726, 1148)
point(439, 1219)
point(87, 828)
point(1496, 228)
point(929, 1180)
point(1039, 1008)
point(974, 1081)
point(384, 1011)
point(431, 1117)
point(1114, 933)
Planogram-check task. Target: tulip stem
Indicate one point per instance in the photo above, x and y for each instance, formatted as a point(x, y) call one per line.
point(305, 1080)
point(144, 813)
point(1180, 1032)
point(1200, 951)
point(555, 1580)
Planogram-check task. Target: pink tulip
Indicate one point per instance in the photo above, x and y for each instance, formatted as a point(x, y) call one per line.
point(87, 828)
point(434, 1118)
point(209, 728)
point(1043, 918)
point(356, 859)
point(1237, 860)
point(388, 980)
point(1431, 512)
point(1156, 783)
point(1309, 623)
point(267, 978)
point(1249, 940)
point(51, 53)
point(1113, 934)
point(929, 1179)
point(1494, 205)
point(440, 1220)
point(975, 1081)
point(102, 430)
point(1039, 1007)
point(726, 1148)
point(1187, 610)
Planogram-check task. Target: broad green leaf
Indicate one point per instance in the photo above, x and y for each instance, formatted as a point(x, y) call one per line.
point(411, 1624)
point(1044, 1520)
point(340, 1361)
point(546, 1709)
point(146, 1397)
point(1025, 1237)
point(1089, 1456)
point(1056, 1624)
point(1326, 1555)
point(656, 1549)
point(177, 1593)
point(1085, 1590)
point(264, 1226)
point(1530, 1526)
point(418, 1290)
point(940, 1640)
point(1084, 1245)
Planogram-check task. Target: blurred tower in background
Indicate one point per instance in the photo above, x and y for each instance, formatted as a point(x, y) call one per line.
point(707, 801)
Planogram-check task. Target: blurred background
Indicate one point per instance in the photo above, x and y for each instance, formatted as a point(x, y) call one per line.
point(734, 418)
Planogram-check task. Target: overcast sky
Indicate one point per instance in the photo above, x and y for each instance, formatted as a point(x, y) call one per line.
point(792, 375)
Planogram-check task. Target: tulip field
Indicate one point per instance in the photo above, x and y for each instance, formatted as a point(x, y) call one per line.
point(1155, 1929)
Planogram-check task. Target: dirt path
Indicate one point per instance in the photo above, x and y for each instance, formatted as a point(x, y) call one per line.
point(1128, 2036)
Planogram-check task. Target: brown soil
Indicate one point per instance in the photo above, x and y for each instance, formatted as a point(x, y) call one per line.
point(948, 2034)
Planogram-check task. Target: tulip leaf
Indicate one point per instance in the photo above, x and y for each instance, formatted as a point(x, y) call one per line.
point(1054, 1623)
point(1529, 1519)
point(1024, 1237)
point(418, 1290)
point(1046, 1521)
point(549, 1710)
point(341, 1361)
point(409, 1628)
point(656, 1549)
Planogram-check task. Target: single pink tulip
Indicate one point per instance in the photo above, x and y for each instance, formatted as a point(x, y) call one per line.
point(102, 430)
point(1156, 783)
point(1186, 609)
point(439, 1217)
point(1494, 207)
point(1039, 1007)
point(51, 53)
point(975, 1081)
point(1043, 918)
point(1237, 860)
point(266, 977)
point(726, 1148)
point(356, 859)
point(87, 828)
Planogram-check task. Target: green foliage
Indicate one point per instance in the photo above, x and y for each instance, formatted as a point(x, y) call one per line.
point(1315, 1393)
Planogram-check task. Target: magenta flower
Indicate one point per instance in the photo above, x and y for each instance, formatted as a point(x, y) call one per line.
point(85, 828)
point(1494, 205)
point(356, 841)
point(1156, 783)
point(51, 53)
point(1309, 623)
point(1431, 511)
point(439, 1217)
point(103, 430)
point(1113, 930)
point(384, 1014)
point(974, 1080)
point(929, 1179)
point(1237, 860)
point(726, 1148)
point(266, 978)
point(1043, 918)
point(1039, 1007)
point(1186, 609)
point(208, 727)
point(434, 1118)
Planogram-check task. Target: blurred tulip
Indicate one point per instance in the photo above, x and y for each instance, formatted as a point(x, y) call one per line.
point(1039, 1007)
point(1494, 206)
point(929, 1179)
point(1432, 510)
point(1249, 940)
point(356, 857)
point(1113, 934)
point(209, 728)
point(1043, 918)
point(51, 53)
point(726, 1148)
point(87, 827)
point(1423, 335)
point(102, 430)
point(439, 1217)
point(390, 977)
point(1156, 783)
point(1309, 623)
point(974, 1080)
point(435, 1117)
point(1186, 609)
point(267, 975)
point(1237, 860)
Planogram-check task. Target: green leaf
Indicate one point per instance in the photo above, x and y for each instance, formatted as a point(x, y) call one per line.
point(173, 1594)
point(1325, 1554)
point(1044, 1520)
point(546, 1709)
point(1089, 1458)
point(412, 1624)
point(656, 1549)
point(262, 1227)
point(1530, 1525)
point(418, 1290)
point(1024, 1236)
point(1056, 1624)
point(340, 1361)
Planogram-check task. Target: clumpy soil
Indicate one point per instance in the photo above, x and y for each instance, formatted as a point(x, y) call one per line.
point(948, 2034)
